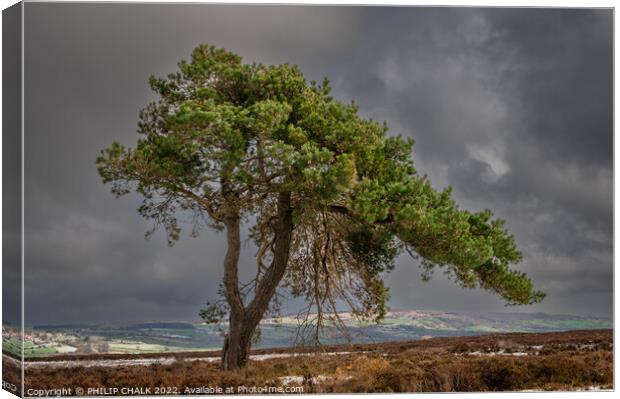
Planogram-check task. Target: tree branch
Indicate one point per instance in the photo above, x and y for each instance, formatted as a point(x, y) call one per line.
point(343, 210)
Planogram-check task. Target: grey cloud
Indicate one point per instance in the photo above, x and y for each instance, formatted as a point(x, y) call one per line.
point(493, 101)
point(511, 107)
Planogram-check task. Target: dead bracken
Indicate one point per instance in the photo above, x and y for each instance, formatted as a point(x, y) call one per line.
point(574, 360)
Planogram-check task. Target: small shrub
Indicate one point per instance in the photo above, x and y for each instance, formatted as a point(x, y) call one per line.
point(500, 374)
point(462, 347)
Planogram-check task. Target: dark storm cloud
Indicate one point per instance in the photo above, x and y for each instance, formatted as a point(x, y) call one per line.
point(510, 107)
point(514, 111)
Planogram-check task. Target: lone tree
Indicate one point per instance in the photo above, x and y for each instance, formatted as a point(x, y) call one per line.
point(329, 198)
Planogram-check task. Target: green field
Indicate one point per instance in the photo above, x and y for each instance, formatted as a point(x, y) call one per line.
point(13, 345)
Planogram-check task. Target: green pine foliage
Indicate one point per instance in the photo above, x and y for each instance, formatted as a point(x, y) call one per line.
point(227, 135)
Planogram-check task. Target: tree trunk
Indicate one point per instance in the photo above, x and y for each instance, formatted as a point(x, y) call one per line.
point(232, 356)
point(243, 321)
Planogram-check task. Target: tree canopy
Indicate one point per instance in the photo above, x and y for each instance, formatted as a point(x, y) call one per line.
point(254, 143)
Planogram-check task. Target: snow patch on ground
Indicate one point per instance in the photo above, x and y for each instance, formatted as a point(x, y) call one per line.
point(300, 379)
point(65, 349)
point(312, 380)
point(499, 353)
point(160, 360)
point(584, 389)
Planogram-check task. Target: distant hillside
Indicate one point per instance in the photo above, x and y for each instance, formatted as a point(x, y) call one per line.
point(157, 337)
point(415, 324)
point(494, 322)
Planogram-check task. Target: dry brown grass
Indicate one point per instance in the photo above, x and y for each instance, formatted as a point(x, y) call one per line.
point(12, 376)
point(566, 362)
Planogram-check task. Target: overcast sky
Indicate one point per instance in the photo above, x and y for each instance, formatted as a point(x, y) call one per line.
point(511, 107)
